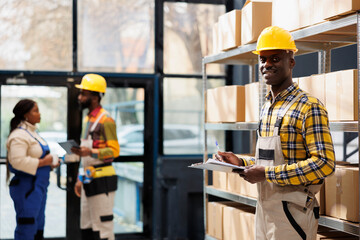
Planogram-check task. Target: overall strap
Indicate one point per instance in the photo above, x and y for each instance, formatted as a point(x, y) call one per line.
point(96, 123)
point(45, 148)
point(262, 115)
point(283, 112)
point(28, 133)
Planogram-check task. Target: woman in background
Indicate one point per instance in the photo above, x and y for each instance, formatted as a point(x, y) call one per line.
point(29, 159)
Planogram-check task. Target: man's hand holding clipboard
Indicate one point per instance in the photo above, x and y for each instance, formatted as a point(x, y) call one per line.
point(252, 173)
point(68, 145)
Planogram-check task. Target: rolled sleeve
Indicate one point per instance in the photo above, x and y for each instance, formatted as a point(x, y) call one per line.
point(248, 161)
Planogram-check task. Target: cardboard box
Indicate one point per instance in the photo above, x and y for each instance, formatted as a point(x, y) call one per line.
point(286, 14)
point(211, 107)
point(338, 8)
point(305, 13)
point(255, 16)
point(320, 196)
point(233, 182)
point(237, 184)
point(252, 97)
point(247, 224)
point(314, 85)
point(215, 220)
point(342, 194)
point(226, 104)
point(215, 217)
point(220, 180)
point(248, 189)
point(238, 223)
point(318, 10)
point(231, 223)
point(230, 30)
point(231, 103)
point(311, 12)
point(215, 38)
point(340, 97)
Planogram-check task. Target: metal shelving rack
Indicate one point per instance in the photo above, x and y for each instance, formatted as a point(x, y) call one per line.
point(319, 38)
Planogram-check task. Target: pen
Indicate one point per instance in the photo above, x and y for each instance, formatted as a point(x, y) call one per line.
point(217, 156)
point(217, 145)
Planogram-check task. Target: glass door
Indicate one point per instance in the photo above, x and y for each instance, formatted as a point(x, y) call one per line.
point(126, 106)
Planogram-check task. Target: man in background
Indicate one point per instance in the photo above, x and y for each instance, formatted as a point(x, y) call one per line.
point(97, 180)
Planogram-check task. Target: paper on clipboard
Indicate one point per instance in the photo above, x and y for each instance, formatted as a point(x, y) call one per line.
point(215, 165)
point(68, 145)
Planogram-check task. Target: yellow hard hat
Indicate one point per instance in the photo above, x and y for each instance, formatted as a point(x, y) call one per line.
point(93, 82)
point(275, 38)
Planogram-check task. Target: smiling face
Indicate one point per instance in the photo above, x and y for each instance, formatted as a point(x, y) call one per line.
point(276, 68)
point(33, 116)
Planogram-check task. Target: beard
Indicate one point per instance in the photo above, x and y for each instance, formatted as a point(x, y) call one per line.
point(84, 105)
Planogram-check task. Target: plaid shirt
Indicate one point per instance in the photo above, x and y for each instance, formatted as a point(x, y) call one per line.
point(305, 139)
point(104, 136)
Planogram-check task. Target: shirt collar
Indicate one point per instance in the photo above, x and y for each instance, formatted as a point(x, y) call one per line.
point(284, 93)
point(27, 125)
point(94, 112)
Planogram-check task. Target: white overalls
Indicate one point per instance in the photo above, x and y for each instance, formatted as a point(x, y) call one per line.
point(96, 210)
point(283, 212)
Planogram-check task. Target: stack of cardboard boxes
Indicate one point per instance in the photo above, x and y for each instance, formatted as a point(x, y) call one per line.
point(233, 183)
point(240, 27)
point(337, 91)
point(342, 194)
point(233, 103)
point(339, 198)
point(230, 221)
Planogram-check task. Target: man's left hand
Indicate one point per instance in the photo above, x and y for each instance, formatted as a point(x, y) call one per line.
point(82, 151)
point(253, 173)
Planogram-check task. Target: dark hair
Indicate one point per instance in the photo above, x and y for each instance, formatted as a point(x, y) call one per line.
point(21, 108)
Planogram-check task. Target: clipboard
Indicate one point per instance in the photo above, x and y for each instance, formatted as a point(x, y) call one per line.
point(68, 145)
point(215, 165)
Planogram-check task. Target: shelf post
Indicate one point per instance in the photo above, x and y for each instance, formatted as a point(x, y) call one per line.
point(204, 78)
point(358, 78)
point(252, 71)
point(324, 61)
point(252, 79)
point(205, 173)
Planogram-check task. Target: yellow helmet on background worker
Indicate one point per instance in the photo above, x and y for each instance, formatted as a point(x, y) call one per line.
point(275, 38)
point(93, 82)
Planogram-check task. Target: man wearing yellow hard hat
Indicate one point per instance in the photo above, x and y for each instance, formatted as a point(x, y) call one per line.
point(294, 151)
point(97, 180)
